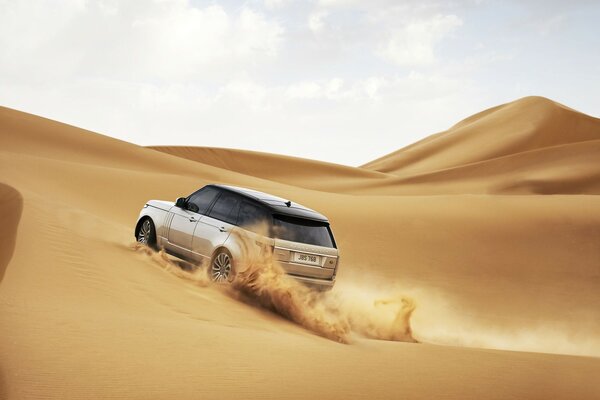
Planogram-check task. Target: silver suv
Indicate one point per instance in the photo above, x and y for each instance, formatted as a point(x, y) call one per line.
point(207, 226)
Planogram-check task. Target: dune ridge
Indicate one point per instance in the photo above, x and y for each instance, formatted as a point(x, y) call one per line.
point(530, 146)
point(562, 169)
point(526, 124)
point(283, 169)
point(460, 226)
point(11, 205)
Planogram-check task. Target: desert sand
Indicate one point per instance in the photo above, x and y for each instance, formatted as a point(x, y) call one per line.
point(491, 230)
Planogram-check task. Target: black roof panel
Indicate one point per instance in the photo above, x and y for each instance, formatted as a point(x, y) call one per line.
point(275, 204)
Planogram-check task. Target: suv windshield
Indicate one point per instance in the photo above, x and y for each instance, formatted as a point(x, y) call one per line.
point(302, 230)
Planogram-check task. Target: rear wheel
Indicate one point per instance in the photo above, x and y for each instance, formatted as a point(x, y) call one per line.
point(147, 234)
point(221, 267)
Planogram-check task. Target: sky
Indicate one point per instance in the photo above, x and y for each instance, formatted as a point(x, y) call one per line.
point(344, 81)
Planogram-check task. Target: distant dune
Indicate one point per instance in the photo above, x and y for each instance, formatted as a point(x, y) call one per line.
point(284, 169)
point(492, 228)
point(530, 146)
point(531, 123)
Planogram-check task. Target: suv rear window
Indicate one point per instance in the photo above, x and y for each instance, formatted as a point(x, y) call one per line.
point(252, 217)
point(302, 230)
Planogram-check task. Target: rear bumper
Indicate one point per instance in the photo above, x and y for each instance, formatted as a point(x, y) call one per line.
point(320, 274)
point(308, 271)
point(321, 284)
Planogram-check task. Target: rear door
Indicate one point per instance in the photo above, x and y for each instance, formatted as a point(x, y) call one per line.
point(215, 227)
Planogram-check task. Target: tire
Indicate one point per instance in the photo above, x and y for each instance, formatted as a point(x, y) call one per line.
point(147, 233)
point(221, 268)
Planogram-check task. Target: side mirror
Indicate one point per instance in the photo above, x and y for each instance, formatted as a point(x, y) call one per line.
point(180, 202)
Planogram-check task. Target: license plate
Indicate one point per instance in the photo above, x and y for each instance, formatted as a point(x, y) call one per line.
point(307, 259)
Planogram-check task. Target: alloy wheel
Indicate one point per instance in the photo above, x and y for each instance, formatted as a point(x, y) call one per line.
point(144, 232)
point(221, 268)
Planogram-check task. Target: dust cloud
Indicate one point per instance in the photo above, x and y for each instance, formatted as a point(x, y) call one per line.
point(338, 315)
point(182, 269)
point(442, 320)
point(361, 308)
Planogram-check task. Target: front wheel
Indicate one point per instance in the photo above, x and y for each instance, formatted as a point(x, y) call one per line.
point(147, 234)
point(221, 267)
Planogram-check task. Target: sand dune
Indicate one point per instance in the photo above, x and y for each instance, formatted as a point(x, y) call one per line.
point(527, 124)
point(458, 223)
point(11, 205)
point(530, 146)
point(284, 169)
point(563, 169)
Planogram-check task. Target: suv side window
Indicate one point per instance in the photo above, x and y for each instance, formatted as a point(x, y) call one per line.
point(203, 198)
point(252, 216)
point(226, 208)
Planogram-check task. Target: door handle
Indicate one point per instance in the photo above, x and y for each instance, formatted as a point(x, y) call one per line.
point(192, 219)
point(222, 229)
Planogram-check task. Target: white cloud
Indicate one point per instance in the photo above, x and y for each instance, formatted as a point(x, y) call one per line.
point(332, 89)
point(316, 20)
point(245, 92)
point(220, 74)
point(304, 90)
point(274, 4)
point(170, 40)
point(546, 26)
point(339, 3)
point(414, 43)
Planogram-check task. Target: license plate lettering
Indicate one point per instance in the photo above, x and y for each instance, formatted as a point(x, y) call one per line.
point(307, 259)
point(304, 257)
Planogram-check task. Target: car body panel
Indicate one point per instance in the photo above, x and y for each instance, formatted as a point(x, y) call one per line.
point(209, 235)
point(161, 204)
point(196, 237)
point(326, 265)
point(180, 230)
